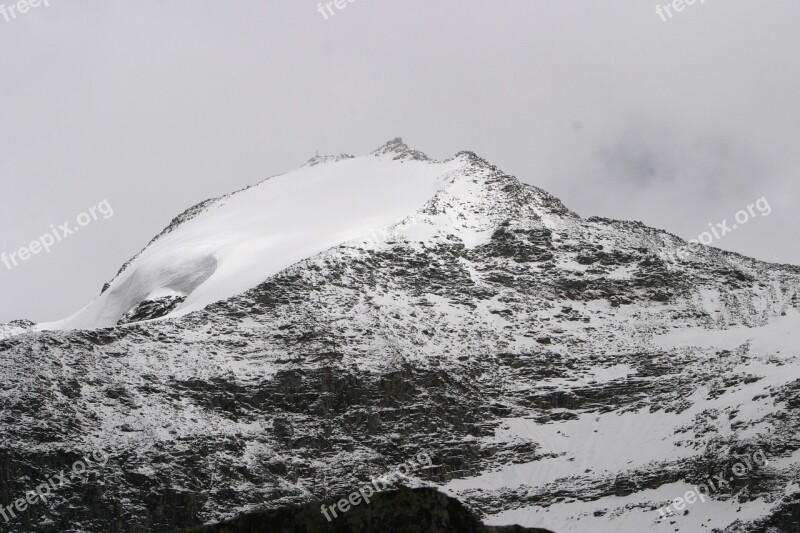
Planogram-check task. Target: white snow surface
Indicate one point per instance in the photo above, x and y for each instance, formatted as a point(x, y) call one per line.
point(242, 239)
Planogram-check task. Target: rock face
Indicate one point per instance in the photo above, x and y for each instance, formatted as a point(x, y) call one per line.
point(151, 308)
point(559, 372)
point(402, 511)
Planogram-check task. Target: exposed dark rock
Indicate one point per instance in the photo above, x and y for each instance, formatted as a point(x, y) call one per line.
point(399, 511)
point(150, 309)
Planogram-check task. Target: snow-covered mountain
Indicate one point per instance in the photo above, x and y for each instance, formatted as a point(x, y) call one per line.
point(287, 342)
point(226, 246)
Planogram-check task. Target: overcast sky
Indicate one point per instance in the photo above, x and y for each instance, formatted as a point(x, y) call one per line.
point(155, 106)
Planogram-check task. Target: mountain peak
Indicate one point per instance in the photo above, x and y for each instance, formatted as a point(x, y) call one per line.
point(400, 151)
point(230, 245)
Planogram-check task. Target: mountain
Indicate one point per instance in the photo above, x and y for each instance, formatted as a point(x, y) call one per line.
point(223, 247)
point(291, 341)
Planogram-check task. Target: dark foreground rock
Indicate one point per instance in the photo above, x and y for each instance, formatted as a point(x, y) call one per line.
point(405, 510)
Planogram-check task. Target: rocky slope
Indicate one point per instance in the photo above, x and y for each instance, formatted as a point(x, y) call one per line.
point(558, 371)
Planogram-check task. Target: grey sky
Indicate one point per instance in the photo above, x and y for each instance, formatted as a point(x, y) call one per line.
point(157, 105)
